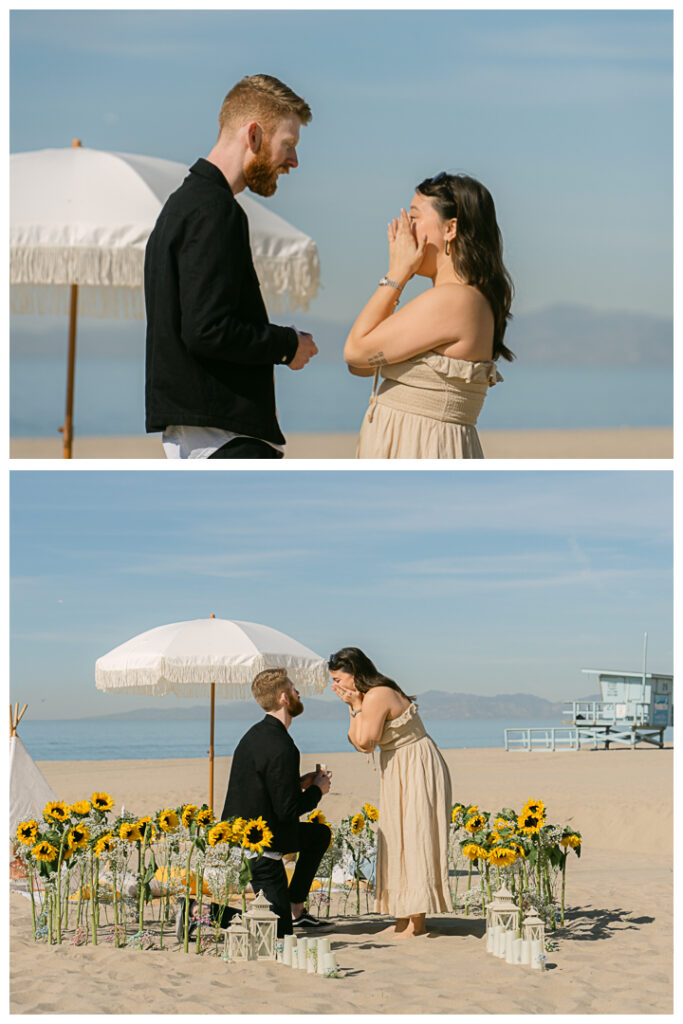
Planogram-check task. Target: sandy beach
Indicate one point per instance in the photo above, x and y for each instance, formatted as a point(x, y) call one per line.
point(614, 954)
point(615, 443)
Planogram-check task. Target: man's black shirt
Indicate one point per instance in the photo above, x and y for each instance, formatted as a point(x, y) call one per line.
point(210, 347)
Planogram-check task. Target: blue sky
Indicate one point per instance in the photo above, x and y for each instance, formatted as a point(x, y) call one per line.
point(482, 582)
point(565, 115)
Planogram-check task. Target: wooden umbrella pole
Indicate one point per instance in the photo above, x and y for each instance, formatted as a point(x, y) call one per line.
point(15, 717)
point(67, 429)
point(213, 709)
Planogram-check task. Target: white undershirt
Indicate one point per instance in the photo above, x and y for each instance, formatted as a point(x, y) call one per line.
point(200, 442)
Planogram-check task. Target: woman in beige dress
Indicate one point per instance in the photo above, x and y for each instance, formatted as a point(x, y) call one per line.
point(437, 354)
point(415, 793)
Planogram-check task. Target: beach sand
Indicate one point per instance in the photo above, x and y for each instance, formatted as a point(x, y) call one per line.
point(615, 443)
point(614, 954)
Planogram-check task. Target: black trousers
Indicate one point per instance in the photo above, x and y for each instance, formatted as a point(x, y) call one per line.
point(246, 448)
point(270, 875)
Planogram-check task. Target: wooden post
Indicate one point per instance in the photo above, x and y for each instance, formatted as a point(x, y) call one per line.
point(67, 429)
point(213, 706)
point(15, 717)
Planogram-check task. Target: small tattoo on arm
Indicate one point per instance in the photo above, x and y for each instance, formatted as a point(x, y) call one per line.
point(377, 360)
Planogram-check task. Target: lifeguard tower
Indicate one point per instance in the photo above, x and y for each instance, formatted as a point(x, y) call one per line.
point(636, 707)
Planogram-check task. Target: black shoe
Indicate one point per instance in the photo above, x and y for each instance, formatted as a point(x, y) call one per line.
point(180, 920)
point(304, 920)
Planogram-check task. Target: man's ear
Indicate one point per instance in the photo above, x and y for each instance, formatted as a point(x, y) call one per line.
point(254, 136)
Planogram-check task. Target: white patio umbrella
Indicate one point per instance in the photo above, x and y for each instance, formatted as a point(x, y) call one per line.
point(215, 656)
point(79, 223)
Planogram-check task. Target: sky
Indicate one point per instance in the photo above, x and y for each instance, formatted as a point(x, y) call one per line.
point(565, 115)
point(483, 582)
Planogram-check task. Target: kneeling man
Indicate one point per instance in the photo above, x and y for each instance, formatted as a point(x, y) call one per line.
point(265, 782)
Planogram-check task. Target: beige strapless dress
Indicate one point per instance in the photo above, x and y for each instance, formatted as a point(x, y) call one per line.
point(427, 408)
point(414, 818)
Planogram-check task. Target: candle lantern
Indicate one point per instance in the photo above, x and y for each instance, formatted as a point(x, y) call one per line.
point(238, 943)
point(503, 911)
point(262, 925)
point(533, 929)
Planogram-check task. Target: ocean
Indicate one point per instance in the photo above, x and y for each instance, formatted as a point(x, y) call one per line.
point(101, 739)
point(325, 398)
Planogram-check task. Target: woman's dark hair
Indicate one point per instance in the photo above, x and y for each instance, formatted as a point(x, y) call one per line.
point(478, 244)
point(365, 675)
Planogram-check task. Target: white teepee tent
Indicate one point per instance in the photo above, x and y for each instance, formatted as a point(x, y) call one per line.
point(28, 788)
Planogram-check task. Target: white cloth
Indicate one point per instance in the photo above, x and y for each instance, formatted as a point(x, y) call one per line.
point(199, 442)
point(29, 791)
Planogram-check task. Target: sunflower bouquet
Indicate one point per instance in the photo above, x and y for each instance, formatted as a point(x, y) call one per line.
point(356, 836)
point(525, 850)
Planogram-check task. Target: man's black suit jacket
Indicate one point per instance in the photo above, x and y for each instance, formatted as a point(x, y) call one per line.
point(264, 781)
point(210, 347)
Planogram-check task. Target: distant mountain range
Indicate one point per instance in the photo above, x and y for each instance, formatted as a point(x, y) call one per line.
point(433, 704)
point(556, 334)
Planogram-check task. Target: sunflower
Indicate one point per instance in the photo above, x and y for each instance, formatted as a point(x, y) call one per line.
point(502, 857)
point(318, 816)
point(168, 820)
point(130, 831)
point(371, 813)
point(78, 837)
point(471, 851)
point(27, 832)
point(357, 824)
point(205, 816)
point(513, 844)
point(142, 825)
point(220, 833)
point(238, 827)
point(57, 810)
point(494, 836)
point(103, 844)
point(501, 822)
point(187, 814)
point(256, 835)
point(45, 851)
point(102, 801)
point(472, 809)
point(475, 823)
point(572, 840)
point(529, 823)
point(536, 807)
point(81, 808)
point(455, 812)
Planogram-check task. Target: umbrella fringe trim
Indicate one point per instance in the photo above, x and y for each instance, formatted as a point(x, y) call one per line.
point(230, 681)
point(110, 281)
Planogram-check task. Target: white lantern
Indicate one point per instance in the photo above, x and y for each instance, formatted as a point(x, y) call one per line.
point(238, 944)
point(533, 929)
point(503, 911)
point(262, 925)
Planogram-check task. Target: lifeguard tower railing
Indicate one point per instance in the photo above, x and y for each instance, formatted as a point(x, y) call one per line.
point(600, 723)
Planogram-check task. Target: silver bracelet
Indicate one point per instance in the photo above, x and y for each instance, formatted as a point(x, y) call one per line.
point(354, 713)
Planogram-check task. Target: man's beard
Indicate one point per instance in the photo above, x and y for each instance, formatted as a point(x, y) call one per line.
point(294, 707)
point(261, 176)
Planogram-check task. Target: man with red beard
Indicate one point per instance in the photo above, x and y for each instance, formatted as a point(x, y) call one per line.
point(265, 783)
point(210, 348)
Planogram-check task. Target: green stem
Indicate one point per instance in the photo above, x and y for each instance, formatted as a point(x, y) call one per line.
point(200, 901)
point(58, 908)
point(487, 869)
point(141, 883)
point(329, 886)
point(469, 886)
point(50, 902)
point(166, 895)
point(80, 896)
point(564, 879)
point(33, 903)
point(94, 884)
point(358, 883)
point(115, 903)
point(498, 874)
point(186, 923)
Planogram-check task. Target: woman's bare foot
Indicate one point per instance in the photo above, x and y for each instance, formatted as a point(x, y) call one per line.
point(396, 929)
point(414, 927)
